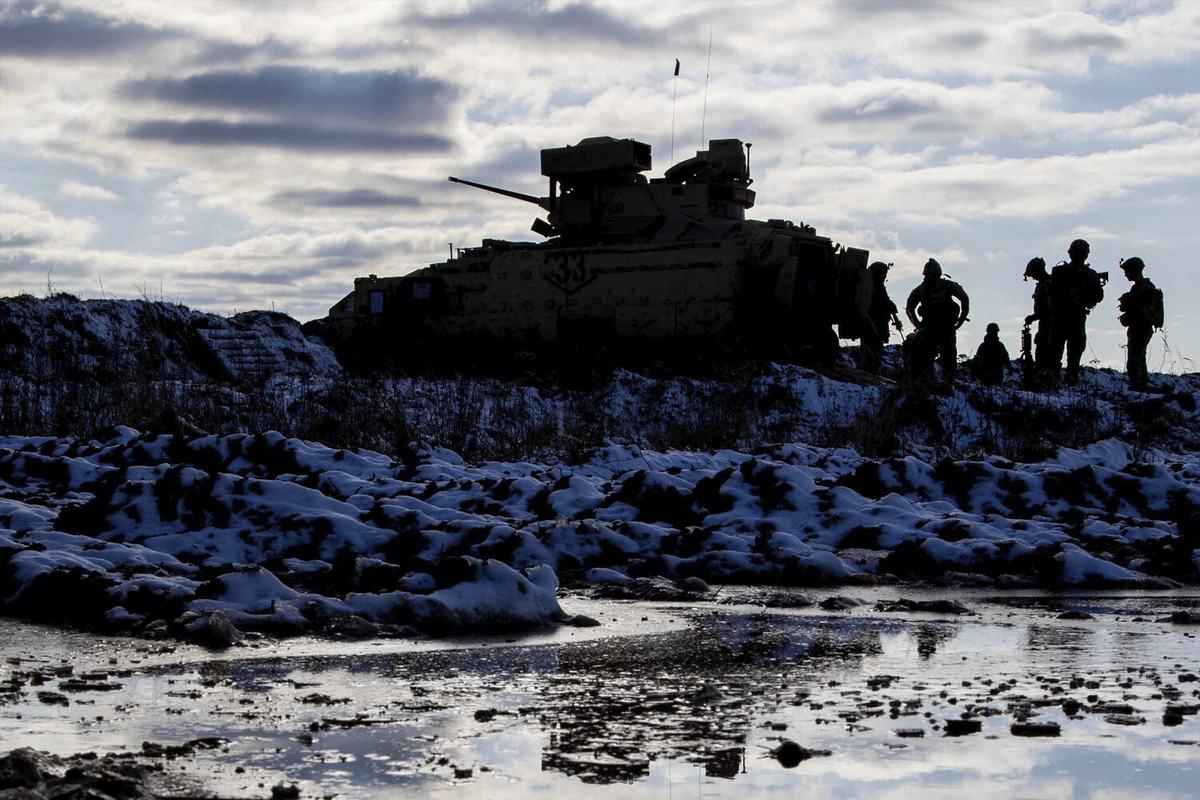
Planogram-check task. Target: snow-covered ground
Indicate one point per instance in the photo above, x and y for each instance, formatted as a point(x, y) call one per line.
point(153, 534)
point(460, 504)
point(63, 338)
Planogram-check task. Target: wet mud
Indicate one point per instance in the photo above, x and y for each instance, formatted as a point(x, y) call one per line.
point(881, 693)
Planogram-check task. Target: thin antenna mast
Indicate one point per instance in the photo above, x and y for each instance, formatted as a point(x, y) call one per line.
point(704, 113)
point(674, 94)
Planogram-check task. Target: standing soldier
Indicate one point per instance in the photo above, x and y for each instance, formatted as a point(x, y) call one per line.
point(932, 310)
point(1141, 312)
point(991, 359)
point(883, 312)
point(1036, 269)
point(1075, 289)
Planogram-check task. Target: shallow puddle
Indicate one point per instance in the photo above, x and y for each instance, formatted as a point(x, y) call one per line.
point(661, 701)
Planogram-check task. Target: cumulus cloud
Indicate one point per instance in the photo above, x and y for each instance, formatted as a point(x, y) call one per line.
point(85, 191)
point(302, 93)
point(25, 223)
point(538, 20)
point(975, 187)
point(888, 104)
point(298, 108)
point(349, 198)
point(288, 136)
point(1072, 32)
point(40, 30)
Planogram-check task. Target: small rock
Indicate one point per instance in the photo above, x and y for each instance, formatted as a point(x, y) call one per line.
point(281, 792)
point(789, 754)
point(25, 768)
point(708, 694)
point(963, 727)
point(942, 606)
point(582, 621)
point(76, 685)
point(318, 699)
point(693, 585)
point(1075, 615)
point(353, 627)
point(839, 603)
point(1124, 719)
point(910, 733)
point(1036, 729)
point(216, 631)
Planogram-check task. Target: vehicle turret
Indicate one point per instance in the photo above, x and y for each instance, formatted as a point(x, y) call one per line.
point(598, 193)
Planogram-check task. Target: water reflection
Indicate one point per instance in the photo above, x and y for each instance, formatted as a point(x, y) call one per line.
point(569, 719)
point(692, 696)
point(1058, 638)
point(930, 636)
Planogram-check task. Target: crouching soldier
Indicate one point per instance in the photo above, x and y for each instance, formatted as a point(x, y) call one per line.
point(991, 359)
point(1141, 312)
point(937, 309)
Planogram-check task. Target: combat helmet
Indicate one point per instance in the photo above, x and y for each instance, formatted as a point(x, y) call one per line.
point(1036, 268)
point(1134, 264)
point(993, 328)
point(932, 269)
point(1079, 246)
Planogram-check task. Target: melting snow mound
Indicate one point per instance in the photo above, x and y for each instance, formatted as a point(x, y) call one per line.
point(209, 536)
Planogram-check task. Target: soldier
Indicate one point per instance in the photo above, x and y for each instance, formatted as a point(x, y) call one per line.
point(1036, 269)
point(1141, 312)
point(991, 359)
point(1075, 289)
point(882, 311)
point(932, 310)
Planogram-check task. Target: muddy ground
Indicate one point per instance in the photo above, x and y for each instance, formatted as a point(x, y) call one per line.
point(881, 692)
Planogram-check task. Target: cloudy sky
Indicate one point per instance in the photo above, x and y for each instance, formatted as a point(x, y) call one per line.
point(262, 154)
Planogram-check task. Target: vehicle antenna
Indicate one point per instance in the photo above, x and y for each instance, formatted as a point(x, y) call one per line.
point(704, 112)
point(674, 94)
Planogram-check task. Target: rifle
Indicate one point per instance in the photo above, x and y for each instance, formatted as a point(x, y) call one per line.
point(896, 322)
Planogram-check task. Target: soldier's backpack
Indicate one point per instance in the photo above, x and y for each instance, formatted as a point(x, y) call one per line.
point(1075, 289)
point(938, 306)
point(1091, 289)
point(1155, 311)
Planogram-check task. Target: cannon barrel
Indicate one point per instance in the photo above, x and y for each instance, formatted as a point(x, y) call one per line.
point(543, 202)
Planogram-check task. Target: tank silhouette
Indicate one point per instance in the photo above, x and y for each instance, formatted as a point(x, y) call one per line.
point(629, 264)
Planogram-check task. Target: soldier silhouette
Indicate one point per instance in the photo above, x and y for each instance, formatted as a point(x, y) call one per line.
point(882, 312)
point(1036, 269)
point(1075, 289)
point(991, 359)
point(1141, 312)
point(937, 309)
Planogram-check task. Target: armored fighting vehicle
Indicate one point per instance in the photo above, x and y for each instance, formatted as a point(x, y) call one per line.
point(630, 265)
